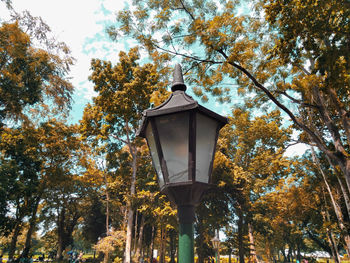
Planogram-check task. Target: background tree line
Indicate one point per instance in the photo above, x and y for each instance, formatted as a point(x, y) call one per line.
point(280, 68)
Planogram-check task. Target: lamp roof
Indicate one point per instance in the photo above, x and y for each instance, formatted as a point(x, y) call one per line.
point(178, 101)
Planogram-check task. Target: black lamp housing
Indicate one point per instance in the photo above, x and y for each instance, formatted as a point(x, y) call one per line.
point(216, 242)
point(182, 135)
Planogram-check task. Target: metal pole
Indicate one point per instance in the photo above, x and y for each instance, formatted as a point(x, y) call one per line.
point(186, 230)
point(186, 243)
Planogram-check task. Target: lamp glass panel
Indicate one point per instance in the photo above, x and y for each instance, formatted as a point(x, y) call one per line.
point(216, 242)
point(173, 135)
point(205, 142)
point(154, 153)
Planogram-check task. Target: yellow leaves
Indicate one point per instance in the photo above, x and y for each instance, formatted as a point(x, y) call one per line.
point(250, 153)
point(108, 244)
point(197, 91)
point(190, 39)
point(31, 75)
point(17, 41)
point(140, 14)
point(158, 97)
point(221, 184)
point(125, 89)
point(164, 211)
point(93, 175)
point(143, 194)
point(305, 84)
point(124, 17)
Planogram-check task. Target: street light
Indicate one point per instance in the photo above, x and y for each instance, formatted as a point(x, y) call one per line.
point(181, 136)
point(216, 244)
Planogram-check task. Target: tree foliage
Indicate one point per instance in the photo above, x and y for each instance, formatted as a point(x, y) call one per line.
point(292, 55)
point(30, 73)
point(286, 58)
point(271, 56)
point(110, 123)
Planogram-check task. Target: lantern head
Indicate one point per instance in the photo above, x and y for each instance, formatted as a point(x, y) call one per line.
point(182, 135)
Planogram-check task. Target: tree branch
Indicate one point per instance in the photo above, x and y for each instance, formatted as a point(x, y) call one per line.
point(187, 56)
point(297, 101)
point(317, 140)
point(325, 116)
point(292, 144)
point(119, 139)
point(302, 69)
point(344, 115)
point(186, 10)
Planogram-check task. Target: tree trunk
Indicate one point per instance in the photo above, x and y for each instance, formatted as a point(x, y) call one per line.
point(152, 243)
point(107, 204)
point(129, 234)
point(335, 205)
point(135, 233)
point(139, 253)
point(268, 251)
point(65, 227)
point(252, 244)
point(127, 256)
point(285, 259)
point(173, 246)
point(106, 255)
point(13, 244)
point(333, 245)
point(345, 195)
point(163, 238)
point(60, 234)
point(240, 236)
point(298, 253)
point(290, 257)
point(32, 225)
point(331, 238)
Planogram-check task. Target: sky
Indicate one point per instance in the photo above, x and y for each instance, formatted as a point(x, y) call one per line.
point(81, 25)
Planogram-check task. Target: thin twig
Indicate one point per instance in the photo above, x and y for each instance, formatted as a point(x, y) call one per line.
point(186, 10)
point(297, 101)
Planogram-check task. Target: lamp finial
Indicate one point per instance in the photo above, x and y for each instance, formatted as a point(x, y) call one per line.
point(178, 80)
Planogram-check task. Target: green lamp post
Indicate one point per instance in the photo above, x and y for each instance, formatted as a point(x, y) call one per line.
point(181, 136)
point(216, 245)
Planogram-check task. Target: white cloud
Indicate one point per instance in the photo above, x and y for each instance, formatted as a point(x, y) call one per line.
point(75, 21)
point(81, 25)
point(296, 150)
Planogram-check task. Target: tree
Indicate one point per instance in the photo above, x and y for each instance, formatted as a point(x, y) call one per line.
point(124, 91)
point(302, 213)
point(8, 3)
point(20, 168)
point(33, 71)
point(28, 75)
point(33, 87)
point(153, 211)
point(36, 164)
point(64, 190)
point(249, 163)
point(94, 223)
point(295, 57)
